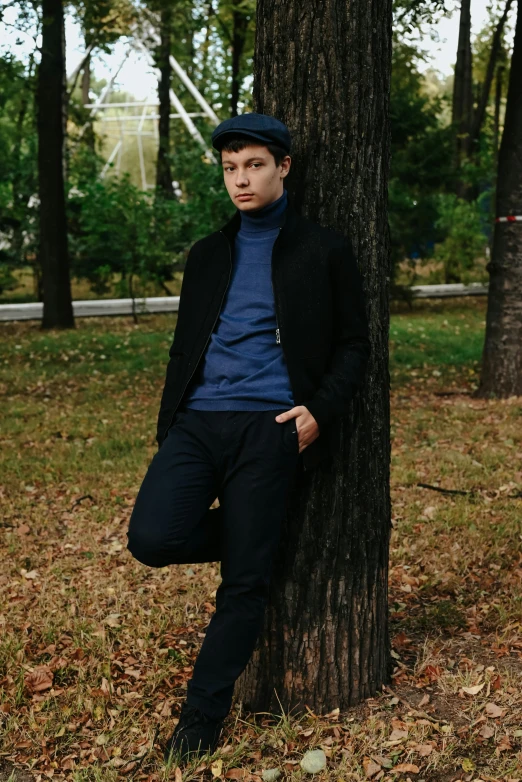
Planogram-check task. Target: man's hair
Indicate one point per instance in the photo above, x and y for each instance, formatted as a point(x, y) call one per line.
point(238, 143)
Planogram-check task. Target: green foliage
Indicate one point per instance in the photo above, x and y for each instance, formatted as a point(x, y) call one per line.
point(116, 228)
point(421, 158)
point(18, 175)
point(461, 223)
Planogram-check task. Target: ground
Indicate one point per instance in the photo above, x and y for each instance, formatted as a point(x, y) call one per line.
point(95, 650)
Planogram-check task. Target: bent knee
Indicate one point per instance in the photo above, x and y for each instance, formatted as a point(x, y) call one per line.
point(152, 549)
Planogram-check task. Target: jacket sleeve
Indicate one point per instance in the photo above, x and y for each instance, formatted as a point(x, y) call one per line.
point(351, 344)
point(165, 410)
point(173, 365)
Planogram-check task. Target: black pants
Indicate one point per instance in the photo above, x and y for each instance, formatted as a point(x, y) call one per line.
point(248, 461)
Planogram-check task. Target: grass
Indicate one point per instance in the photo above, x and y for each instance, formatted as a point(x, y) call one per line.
point(96, 650)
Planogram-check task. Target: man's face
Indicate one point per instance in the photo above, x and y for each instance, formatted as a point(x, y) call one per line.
point(252, 178)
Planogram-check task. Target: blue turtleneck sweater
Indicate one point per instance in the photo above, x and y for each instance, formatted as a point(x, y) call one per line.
point(243, 367)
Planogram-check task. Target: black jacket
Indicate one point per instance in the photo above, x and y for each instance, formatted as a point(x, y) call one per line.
point(321, 317)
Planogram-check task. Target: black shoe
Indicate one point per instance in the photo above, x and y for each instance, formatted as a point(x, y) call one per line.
point(196, 734)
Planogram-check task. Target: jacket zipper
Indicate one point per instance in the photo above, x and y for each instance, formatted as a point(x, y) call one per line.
point(208, 338)
point(278, 331)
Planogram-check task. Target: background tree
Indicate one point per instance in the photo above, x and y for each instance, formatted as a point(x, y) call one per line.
point(57, 299)
point(164, 51)
point(325, 641)
point(241, 17)
point(463, 98)
point(502, 357)
point(495, 52)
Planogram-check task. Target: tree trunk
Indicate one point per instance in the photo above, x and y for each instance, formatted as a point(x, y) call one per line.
point(88, 136)
point(57, 301)
point(240, 25)
point(163, 172)
point(496, 137)
point(496, 120)
point(483, 99)
point(325, 71)
point(502, 355)
point(463, 98)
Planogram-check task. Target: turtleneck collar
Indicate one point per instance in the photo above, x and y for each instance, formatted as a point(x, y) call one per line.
point(265, 219)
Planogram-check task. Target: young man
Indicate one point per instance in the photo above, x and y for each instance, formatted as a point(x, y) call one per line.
point(270, 346)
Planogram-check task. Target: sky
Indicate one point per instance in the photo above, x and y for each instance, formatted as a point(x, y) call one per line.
point(137, 77)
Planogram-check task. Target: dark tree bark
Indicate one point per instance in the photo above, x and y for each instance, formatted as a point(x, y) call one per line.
point(51, 117)
point(88, 136)
point(483, 100)
point(163, 172)
point(502, 355)
point(324, 69)
point(496, 121)
point(240, 25)
point(463, 98)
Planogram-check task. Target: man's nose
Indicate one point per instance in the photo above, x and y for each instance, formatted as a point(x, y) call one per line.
point(241, 178)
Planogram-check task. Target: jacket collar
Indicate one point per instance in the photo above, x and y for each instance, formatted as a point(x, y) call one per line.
point(287, 222)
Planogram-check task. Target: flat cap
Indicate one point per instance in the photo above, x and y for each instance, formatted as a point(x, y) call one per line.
point(261, 127)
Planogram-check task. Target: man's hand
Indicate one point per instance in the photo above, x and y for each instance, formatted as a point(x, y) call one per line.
point(305, 423)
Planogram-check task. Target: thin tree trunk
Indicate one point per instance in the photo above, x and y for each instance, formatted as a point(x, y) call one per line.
point(496, 136)
point(324, 69)
point(463, 98)
point(240, 25)
point(163, 172)
point(502, 355)
point(57, 301)
point(496, 121)
point(482, 103)
point(205, 46)
point(88, 136)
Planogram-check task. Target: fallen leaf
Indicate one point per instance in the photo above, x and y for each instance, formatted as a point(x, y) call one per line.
point(503, 745)
point(433, 671)
point(112, 620)
point(216, 768)
point(166, 711)
point(407, 768)
point(492, 710)
point(487, 731)
point(370, 768)
point(423, 749)
point(30, 575)
point(40, 679)
point(396, 735)
point(382, 761)
point(473, 690)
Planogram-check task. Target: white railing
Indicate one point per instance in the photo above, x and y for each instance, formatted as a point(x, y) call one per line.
point(87, 308)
